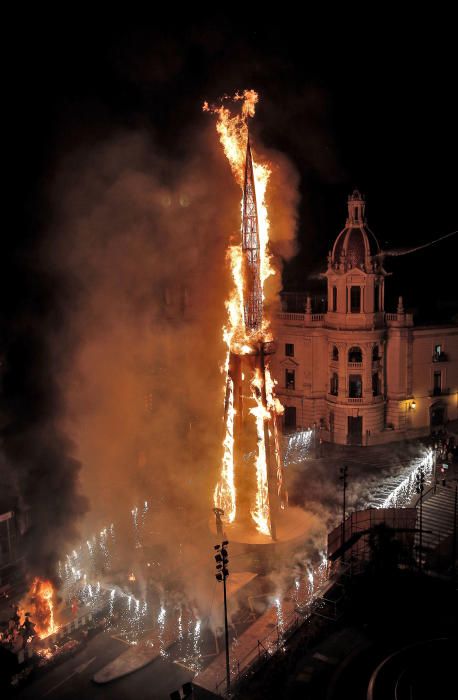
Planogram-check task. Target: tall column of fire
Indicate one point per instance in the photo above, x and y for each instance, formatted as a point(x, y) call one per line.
point(249, 390)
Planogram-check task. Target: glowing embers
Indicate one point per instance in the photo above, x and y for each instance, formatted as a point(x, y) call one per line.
point(38, 605)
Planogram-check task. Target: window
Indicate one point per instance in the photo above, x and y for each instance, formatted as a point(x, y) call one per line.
point(355, 386)
point(356, 213)
point(334, 299)
point(375, 384)
point(439, 354)
point(290, 379)
point(289, 349)
point(377, 297)
point(355, 300)
point(334, 386)
point(437, 383)
point(335, 353)
point(375, 354)
point(355, 354)
point(290, 416)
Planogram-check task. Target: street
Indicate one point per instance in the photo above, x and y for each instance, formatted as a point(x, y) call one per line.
point(73, 678)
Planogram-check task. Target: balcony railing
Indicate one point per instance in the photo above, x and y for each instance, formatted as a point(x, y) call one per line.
point(287, 316)
point(355, 365)
point(440, 357)
point(352, 399)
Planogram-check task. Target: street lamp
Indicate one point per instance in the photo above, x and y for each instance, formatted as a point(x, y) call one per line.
point(419, 487)
point(222, 573)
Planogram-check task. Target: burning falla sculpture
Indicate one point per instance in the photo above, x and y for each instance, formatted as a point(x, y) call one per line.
point(250, 407)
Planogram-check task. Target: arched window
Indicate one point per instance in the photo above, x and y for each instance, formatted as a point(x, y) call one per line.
point(334, 385)
point(335, 353)
point(355, 354)
point(375, 353)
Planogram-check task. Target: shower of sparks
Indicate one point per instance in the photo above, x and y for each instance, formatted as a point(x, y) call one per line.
point(308, 584)
point(298, 446)
point(134, 512)
point(180, 627)
point(176, 629)
point(104, 549)
point(161, 622)
point(144, 515)
point(196, 644)
point(280, 617)
point(404, 491)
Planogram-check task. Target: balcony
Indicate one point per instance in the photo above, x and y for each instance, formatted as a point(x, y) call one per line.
point(358, 399)
point(355, 365)
point(286, 316)
point(440, 357)
point(438, 391)
point(399, 319)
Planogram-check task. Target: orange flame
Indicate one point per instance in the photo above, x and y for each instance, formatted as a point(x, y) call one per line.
point(39, 602)
point(260, 511)
point(225, 495)
point(233, 134)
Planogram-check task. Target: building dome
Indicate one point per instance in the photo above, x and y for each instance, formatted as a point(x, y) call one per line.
point(356, 244)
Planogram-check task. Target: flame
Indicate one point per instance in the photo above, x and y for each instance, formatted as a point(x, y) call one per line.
point(233, 134)
point(225, 495)
point(39, 601)
point(260, 511)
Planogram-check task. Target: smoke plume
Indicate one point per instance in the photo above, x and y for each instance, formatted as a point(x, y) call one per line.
point(125, 373)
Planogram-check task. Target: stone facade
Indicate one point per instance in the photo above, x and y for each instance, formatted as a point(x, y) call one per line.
point(362, 375)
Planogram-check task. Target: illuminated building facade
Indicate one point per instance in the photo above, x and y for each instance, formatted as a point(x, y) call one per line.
point(362, 375)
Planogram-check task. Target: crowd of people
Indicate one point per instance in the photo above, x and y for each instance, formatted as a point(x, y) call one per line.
point(18, 634)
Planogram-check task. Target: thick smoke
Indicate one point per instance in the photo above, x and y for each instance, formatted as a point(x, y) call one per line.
point(38, 469)
point(141, 241)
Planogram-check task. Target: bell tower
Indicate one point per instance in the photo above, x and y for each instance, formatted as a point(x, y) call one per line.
point(355, 325)
point(355, 274)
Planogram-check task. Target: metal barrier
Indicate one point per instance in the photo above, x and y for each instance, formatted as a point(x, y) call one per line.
point(265, 649)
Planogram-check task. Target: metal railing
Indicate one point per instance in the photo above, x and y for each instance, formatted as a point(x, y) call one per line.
point(262, 652)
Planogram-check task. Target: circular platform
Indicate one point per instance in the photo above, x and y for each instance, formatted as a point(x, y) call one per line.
point(294, 525)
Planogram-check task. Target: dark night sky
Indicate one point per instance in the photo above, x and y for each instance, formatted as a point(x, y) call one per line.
point(369, 106)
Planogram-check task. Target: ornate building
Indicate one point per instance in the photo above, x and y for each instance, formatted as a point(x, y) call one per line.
point(363, 375)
